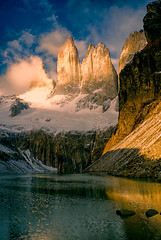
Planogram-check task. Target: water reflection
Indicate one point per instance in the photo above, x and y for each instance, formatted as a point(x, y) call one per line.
point(138, 196)
point(81, 207)
point(57, 207)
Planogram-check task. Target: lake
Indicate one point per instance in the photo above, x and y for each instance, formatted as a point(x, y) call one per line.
point(77, 206)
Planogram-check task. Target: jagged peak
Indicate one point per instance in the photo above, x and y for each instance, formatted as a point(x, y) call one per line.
point(69, 39)
point(91, 46)
point(100, 45)
point(102, 49)
point(68, 45)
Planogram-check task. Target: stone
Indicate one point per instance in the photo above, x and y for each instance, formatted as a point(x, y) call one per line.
point(135, 42)
point(152, 21)
point(125, 213)
point(68, 69)
point(96, 78)
point(17, 107)
point(69, 152)
point(136, 137)
point(140, 85)
point(98, 72)
point(151, 212)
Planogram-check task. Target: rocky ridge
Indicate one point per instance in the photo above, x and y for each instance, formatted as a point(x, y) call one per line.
point(134, 149)
point(96, 77)
point(134, 43)
point(67, 152)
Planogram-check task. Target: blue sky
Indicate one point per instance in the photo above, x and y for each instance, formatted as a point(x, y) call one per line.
point(39, 27)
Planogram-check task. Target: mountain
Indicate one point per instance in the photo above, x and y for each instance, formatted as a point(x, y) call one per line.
point(134, 43)
point(134, 149)
point(98, 71)
point(68, 69)
point(58, 136)
point(92, 83)
point(62, 126)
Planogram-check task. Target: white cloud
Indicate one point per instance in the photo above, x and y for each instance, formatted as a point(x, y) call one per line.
point(52, 42)
point(27, 38)
point(82, 48)
point(15, 44)
point(115, 26)
point(19, 48)
point(21, 76)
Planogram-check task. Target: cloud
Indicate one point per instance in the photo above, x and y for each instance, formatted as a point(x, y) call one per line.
point(115, 27)
point(106, 21)
point(27, 38)
point(19, 48)
point(50, 67)
point(21, 76)
point(82, 47)
point(52, 42)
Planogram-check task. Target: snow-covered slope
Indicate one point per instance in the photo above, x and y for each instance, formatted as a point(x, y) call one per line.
point(21, 161)
point(55, 114)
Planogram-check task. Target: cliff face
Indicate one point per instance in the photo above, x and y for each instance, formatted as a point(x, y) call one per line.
point(98, 71)
point(152, 21)
point(139, 124)
point(68, 68)
point(133, 44)
point(68, 152)
point(96, 76)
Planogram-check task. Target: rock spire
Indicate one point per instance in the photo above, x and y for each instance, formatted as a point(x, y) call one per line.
point(68, 68)
point(98, 71)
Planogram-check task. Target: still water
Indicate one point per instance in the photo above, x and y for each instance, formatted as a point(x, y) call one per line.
point(77, 207)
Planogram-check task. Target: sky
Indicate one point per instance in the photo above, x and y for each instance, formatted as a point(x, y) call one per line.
point(38, 28)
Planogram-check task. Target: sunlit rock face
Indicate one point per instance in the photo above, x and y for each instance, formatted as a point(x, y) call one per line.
point(95, 79)
point(140, 81)
point(134, 150)
point(68, 68)
point(98, 71)
point(135, 42)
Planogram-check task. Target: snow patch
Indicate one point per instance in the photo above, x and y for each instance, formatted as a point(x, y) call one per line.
point(57, 117)
point(27, 163)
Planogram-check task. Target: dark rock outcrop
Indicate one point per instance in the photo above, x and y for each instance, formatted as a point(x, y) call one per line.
point(151, 212)
point(17, 107)
point(152, 21)
point(125, 213)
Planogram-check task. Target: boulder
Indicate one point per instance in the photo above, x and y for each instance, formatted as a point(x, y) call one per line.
point(152, 21)
point(125, 213)
point(17, 107)
point(151, 212)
